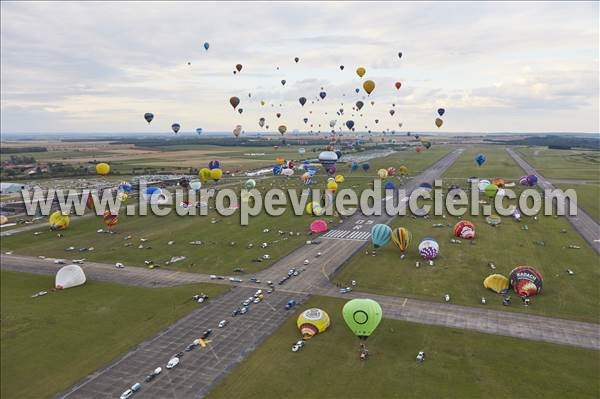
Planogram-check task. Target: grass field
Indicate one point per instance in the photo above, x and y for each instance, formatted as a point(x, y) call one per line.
point(588, 197)
point(563, 164)
point(51, 342)
point(498, 164)
point(459, 364)
point(217, 254)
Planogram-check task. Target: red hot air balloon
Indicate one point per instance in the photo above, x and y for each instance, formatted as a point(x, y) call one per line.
point(398, 85)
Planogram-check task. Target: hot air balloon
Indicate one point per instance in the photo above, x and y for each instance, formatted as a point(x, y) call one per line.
point(318, 226)
point(283, 82)
point(497, 283)
point(349, 124)
point(238, 67)
point(69, 276)
point(296, 59)
point(354, 166)
point(392, 112)
point(249, 184)
point(276, 170)
point(282, 129)
point(234, 101)
point(380, 235)
point(204, 174)
point(365, 166)
point(58, 221)
point(175, 127)
point(464, 229)
point(125, 186)
point(312, 322)
point(148, 116)
point(339, 179)
point(305, 120)
point(306, 179)
point(240, 110)
point(418, 148)
point(199, 131)
point(359, 105)
point(369, 86)
point(491, 190)
point(362, 316)
point(382, 173)
point(332, 123)
point(184, 182)
point(314, 208)
point(526, 281)
point(328, 159)
point(493, 220)
point(426, 144)
point(342, 67)
point(389, 186)
point(216, 174)
point(332, 185)
point(398, 85)
point(429, 249)
point(206, 45)
point(322, 95)
point(302, 101)
point(237, 130)
point(196, 185)
point(110, 219)
point(480, 159)
point(441, 111)
point(403, 170)
point(214, 164)
point(438, 122)
point(400, 55)
point(401, 237)
point(102, 168)
point(261, 122)
point(532, 180)
point(391, 171)
point(360, 71)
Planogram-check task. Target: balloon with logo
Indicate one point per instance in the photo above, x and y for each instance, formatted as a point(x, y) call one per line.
point(312, 322)
point(318, 226)
point(102, 168)
point(526, 281)
point(362, 316)
point(464, 229)
point(380, 235)
point(480, 159)
point(401, 237)
point(429, 249)
point(58, 221)
point(110, 219)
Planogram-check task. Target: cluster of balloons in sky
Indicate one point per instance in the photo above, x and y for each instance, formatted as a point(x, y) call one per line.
point(368, 87)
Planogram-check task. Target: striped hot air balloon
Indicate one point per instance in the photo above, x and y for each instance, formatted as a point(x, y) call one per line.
point(401, 238)
point(429, 249)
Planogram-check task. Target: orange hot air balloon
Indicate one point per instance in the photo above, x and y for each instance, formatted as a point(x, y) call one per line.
point(360, 71)
point(369, 86)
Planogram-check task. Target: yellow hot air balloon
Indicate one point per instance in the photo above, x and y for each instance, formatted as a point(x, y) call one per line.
point(216, 174)
point(497, 283)
point(403, 170)
point(369, 86)
point(58, 221)
point(204, 174)
point(382, 173)
point(314, 208)
point(438, 122)
point(360, 71)
point(282, 129)
point(312, 322)
point(339, 179)
point(262, 102)
point(280, 160)
point(3, 219)
point(102, 168)
point(332, 185)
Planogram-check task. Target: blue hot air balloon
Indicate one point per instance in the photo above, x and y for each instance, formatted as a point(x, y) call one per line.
point(206, 45)
point(441, 111)
point(350, 124)
point(389, 186)
point(381, 235)
point(480, 159)
point(199, 131)
point(365, 166)
point(214, 165)
point(354, 166)
point(357, 90)
point(312, 171)
point(338, 153)
point(276, 170)
point(322, 95)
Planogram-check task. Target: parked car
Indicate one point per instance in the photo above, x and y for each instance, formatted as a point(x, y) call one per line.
point(244, 310)
point(223, 323)
point(206, 334)
point(256, 300)
point(173, 363)
point(126, 395)
point(235, 312)
point(291, 303)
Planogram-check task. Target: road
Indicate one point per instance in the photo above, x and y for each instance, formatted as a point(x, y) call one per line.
point(202, 369)
point(583, 223)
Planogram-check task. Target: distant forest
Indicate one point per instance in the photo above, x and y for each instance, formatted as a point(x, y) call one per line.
point(561, 142)
point(18, 150)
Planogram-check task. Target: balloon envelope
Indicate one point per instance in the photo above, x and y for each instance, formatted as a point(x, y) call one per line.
point(401, 237)
point(102, 168)
point(526, 281)
point(69, 276)
point(318, 226)
point(381, 235)
point(362, 316)
point(312, 322)
point(429, 249)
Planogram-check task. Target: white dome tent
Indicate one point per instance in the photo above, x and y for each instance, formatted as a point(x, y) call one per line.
point(69, 276)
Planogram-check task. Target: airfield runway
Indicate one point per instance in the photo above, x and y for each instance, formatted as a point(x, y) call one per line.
point(583, 223)
point(202, 368)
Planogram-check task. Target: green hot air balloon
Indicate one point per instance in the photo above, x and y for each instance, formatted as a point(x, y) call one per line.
point(362, 316)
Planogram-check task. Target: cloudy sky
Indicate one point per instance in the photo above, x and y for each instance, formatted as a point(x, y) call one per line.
point(98, 67)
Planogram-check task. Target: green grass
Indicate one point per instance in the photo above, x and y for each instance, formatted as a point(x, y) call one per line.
point(51, 342)
point(588, 197)
point(216, 255)
point(498, 164)
point(459, 364)
point(563, 164)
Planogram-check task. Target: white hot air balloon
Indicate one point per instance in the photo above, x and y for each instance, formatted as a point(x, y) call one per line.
point(69, 276)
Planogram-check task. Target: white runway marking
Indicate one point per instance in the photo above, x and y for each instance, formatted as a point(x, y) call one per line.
point(348, 235)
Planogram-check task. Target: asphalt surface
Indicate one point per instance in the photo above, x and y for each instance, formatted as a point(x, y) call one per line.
point(583, 223)
point(202, 368)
